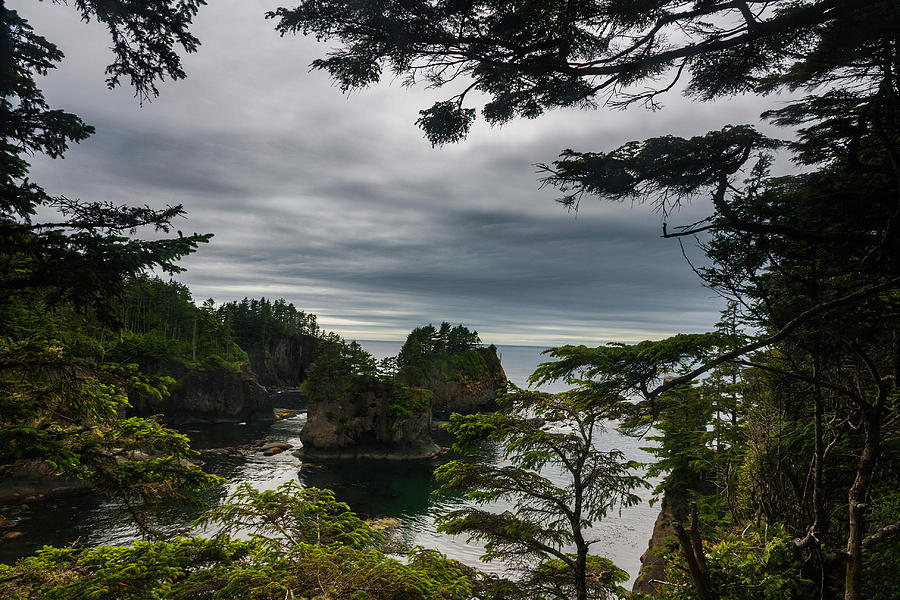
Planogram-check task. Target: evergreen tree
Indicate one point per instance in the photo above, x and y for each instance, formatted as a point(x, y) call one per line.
point(56, 404)
point(545, 532)
point(85, 253)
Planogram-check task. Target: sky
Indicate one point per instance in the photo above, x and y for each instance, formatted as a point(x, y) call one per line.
point(338, 203)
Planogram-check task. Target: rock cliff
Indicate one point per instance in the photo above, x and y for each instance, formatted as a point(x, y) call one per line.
point(212, 396)
point(462, 382)
point(282, 360)
point(360, 409)
point(35, 481)
point(383, 421)
point(653, 571)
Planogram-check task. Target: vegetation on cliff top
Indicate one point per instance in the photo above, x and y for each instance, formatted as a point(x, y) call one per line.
point(344, 369)
point(446, 354)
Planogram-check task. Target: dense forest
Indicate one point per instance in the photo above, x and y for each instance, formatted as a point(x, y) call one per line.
point(775, 434)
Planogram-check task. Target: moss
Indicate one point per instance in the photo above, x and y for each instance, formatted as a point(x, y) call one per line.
point(216, 364)
point(409, 400)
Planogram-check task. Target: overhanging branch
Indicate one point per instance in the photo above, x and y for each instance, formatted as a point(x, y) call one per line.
point(785, 331)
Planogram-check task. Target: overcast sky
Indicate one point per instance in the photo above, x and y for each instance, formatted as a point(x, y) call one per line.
point(338, 204)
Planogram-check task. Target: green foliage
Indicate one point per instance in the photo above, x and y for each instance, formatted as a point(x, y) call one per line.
point(254, 321)
point(291, 515)
point(84, 251)
point(303, 544)
point(432, 355)
point(340, 369)
point(527, 57)
point(625, 368)
point(753, 565)
point(164, 330)
point(407, 401)
point(64, 413)
point(554, 578)
point(423, 344)
point(669, 170)
point(682, 442)
point(147, 349)
point(539, 431)
point(882, 576)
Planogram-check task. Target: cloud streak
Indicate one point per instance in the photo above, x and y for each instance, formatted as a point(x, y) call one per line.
point(340, 206)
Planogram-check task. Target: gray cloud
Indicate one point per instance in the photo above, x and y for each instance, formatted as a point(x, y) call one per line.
point(339, 205)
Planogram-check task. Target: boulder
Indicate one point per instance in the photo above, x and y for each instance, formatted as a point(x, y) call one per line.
point(35, 481)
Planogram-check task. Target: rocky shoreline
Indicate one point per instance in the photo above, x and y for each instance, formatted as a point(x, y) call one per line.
point(389, 454)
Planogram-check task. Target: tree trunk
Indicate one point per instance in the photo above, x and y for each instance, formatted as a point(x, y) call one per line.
point(858, 491)
point(194, 341)
point(692, 549)
point(820, 517)
point(581, 574)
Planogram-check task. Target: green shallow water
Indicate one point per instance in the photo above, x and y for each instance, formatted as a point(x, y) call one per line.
point(403, 490)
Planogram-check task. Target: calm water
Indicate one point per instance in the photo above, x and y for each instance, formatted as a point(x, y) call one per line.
point(394, 489)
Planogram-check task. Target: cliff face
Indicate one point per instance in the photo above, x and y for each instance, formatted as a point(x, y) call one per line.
point(464, 382)
point(218, 396)
point(282, 360)
point(653, 570)
point(381, 422)
point(675, 508)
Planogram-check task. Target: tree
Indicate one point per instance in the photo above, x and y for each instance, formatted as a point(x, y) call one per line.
point(544, 531)
point(427, 342)
point(59, 405)
point(340, 369)
point(527, 57)
point(85, 254)
point(811, 258)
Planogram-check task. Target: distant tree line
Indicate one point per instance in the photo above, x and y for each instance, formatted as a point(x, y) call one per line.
point(253, 321)
point(427, 341)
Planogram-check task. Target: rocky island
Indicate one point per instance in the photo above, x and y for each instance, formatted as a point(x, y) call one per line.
point(360, 408)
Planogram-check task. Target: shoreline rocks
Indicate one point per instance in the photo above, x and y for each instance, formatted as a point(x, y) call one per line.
point(273, 448)
point(35, 482)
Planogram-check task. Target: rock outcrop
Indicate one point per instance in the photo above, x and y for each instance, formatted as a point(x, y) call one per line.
point(653, 571)
point(35, 481)
point(382, 422)
point(463, 382)
point(212, 396)
point(282, 360)
point(675, 508)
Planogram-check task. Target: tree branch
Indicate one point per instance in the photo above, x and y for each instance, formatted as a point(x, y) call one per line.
point(785, 331)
